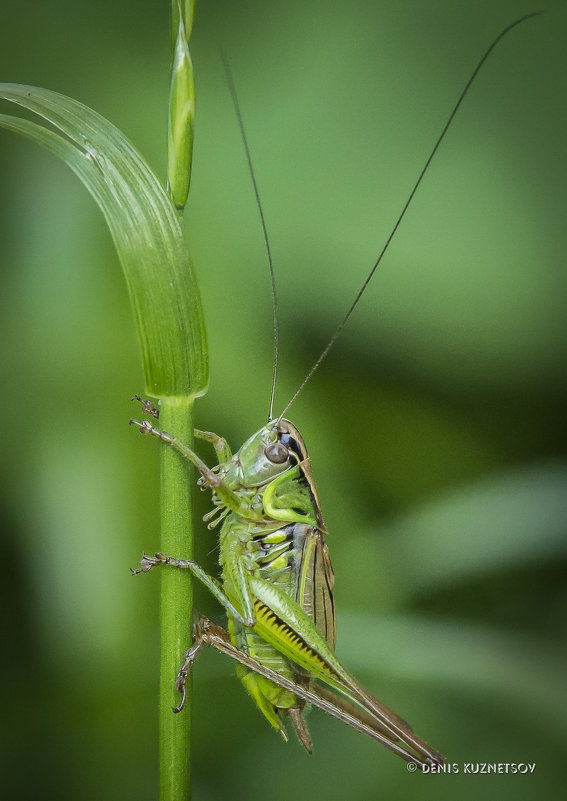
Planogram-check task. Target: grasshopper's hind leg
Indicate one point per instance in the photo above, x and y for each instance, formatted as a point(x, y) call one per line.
point(207, 633)
point(190, 656)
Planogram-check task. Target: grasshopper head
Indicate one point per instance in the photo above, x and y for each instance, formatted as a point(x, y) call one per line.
point(272, 450)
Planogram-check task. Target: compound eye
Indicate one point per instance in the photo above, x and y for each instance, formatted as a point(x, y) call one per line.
point(277, 453)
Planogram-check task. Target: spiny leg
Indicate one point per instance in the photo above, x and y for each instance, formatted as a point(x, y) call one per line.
point(185, 669)
point(323, 665)
point(207, 633)
point(147, 562)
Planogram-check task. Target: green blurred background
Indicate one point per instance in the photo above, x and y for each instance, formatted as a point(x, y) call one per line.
point(435, 426)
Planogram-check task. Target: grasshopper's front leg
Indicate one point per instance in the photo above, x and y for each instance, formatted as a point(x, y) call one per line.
point(148, 407)
point(209, 477)
point(212, 480)
point(221, 446)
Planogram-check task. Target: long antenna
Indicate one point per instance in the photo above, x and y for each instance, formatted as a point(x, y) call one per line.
point(232, 87)
point(338, 332)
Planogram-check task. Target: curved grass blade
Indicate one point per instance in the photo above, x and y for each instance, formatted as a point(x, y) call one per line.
point(145, 230)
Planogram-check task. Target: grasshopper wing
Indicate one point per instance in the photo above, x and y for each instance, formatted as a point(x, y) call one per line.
point(315, 583)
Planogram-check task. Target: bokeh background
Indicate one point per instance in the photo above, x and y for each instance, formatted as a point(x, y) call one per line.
point(435, 426)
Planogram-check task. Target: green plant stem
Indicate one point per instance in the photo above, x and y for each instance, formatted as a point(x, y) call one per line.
point(176, 602)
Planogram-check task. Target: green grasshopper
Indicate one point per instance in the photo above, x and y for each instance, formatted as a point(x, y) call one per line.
point(276, 576)
point(277, 587)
